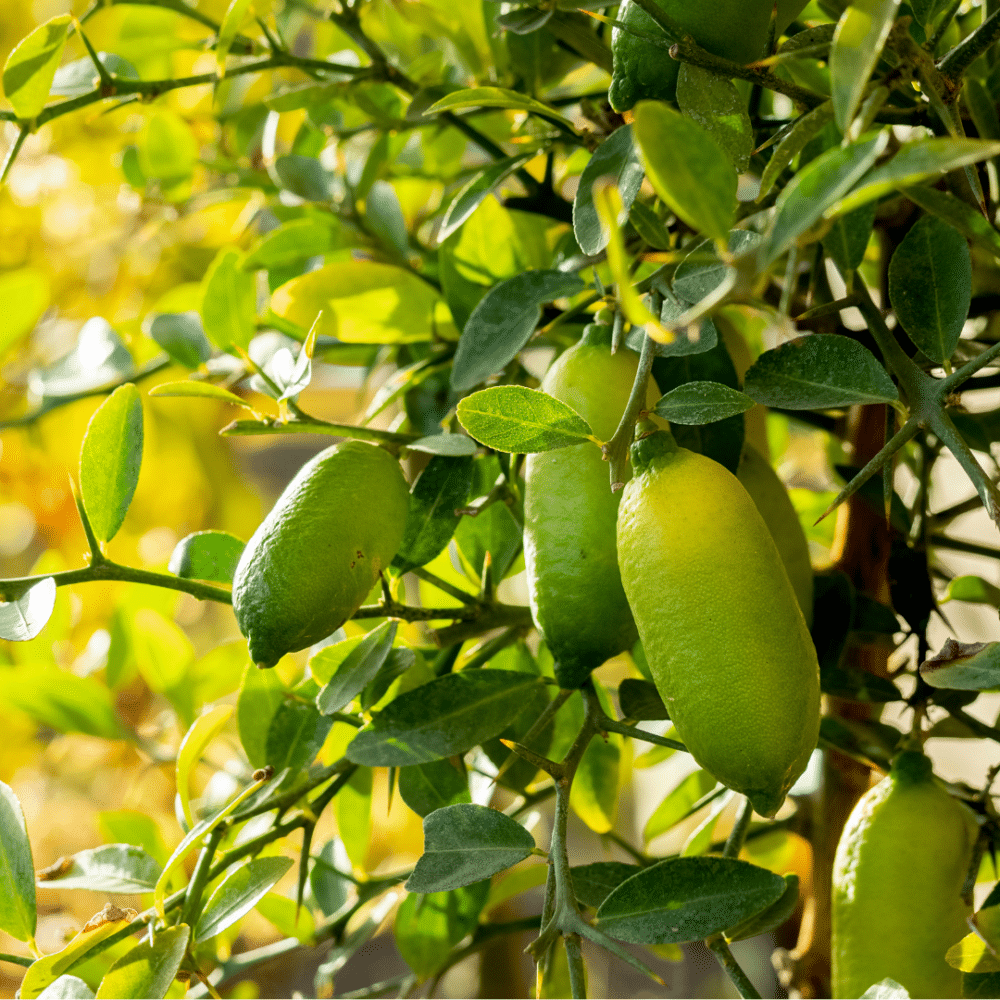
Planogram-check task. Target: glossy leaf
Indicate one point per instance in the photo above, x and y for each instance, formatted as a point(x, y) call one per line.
point(517, 419)
point(67, 988)
point(805, 129)
point(860, 37)
point(687, 168)
point(718, 107)
point(678, 803)
point(426, 787)
point(771, 918)
point(470, 197)
point(24, 617)
point(290, 243)
point(702, 270)
point(639, 699)
point(969, 221)
point(451, 445)
point(930, 286)
point(203, 730)
point(687, 899)
point(448, 716)
point(438, 492)
point(496, 97)
point(148, 969)
point(701, 403)
point(595, 882)
point(17, 870)
point(199, 390)
point(110, 458)
point(31, 66)
point(847, 239)
point(181, 335)
point(261, 695)
point(618, 159)
point(964, 667)
point(504, 321)
point(427, 926)
point(238, 893)
point(207, 555)
point(974, 590)
point(495, 531)
point(295, 735)
point(465, 844)
point(229, 302)
point(357, 669)
point(112, 868)
point(594, 795)
point(818, 371)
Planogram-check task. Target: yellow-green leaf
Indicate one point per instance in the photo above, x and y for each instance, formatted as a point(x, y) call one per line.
point(30, 68)
point(201, 733)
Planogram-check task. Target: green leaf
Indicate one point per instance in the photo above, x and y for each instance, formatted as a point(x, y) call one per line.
point(984, 112)
point(238, 893)
point(818, 371)
point(356, 669)
point(112, 868)
point(98, 360)
point(930, 286)
point(431, 521)
point(127, 826)
point(231, 22)
point(199, 390)
point(32, 65)
point(649, 226)
point(448, 716)
point(973, 590)
point(434, 785)
point(805, 129)
point(362, 302)
point(917, 161)
point(148, 969)
point(816, 188)
point(964, 666)
point(67, 988)
point(594, 795)
point(496, 97)
point(305, 177)
point(618, 159)
point(427, 926)
point(717, 106)
point(294, 737)
point(504, 321)
point(452, 445)
point(857, 44)
point(687, 899)
point(17, 870)
point(261, 695)
point(678, 803)
point(517, 419)
point(384, 218)
point(23, 618)
point(639, 699)
point(229, 301)
point(290, 243)
point(329, 886)
point(595, 882)
point(471, 196)
point(467, 843)
point(702, 270)
point(80, 77)
point(354, 816)
point(182, 337)
point(495, 531)
point(969, 221)
point(687, 168)
point(847, 239)
point(207, 555)
point(203, 730)
point(167, 151)
point(110, 458)
point(770, 918)
point(25, 294)
point(700, 838)
point(701, 403)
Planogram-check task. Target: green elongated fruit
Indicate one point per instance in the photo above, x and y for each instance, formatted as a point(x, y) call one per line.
point(570, 513)
point(733, 29)
point(897, 885)
point(769, 494)
point(319, 552)
point(726, 642)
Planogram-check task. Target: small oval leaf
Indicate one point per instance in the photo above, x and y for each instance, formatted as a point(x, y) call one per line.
point(701, 403)
point(17, 870)
point(238, 893)
point(148, 969)
point(207, 555)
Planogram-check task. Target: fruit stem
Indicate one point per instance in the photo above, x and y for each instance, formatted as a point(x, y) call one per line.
point(717, 945)
point(616, 450)
point(737, 836)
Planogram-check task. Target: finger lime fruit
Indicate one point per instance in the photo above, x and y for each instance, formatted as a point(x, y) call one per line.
point(769, 494)
point(897, 885)
point(319, 552)
point(726, 642)
point(734, 29)
point(570, 514)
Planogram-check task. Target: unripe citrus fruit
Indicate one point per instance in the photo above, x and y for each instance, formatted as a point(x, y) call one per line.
point(769, 494)
point(570, 513)
point(734, 29)
point(723, 633)
point(319, 552)
point(897, 883)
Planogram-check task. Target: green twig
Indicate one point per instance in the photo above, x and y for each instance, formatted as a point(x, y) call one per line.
point(616, 450)
point(734, 843)
point(717, 945)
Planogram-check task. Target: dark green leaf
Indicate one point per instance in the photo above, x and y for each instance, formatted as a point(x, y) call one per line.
point(294, 737)
point(594, 883)
point(701, 403)
point(471, 196)
point(770, 918)
point(448, 716)
point(207, 555)
point(693, 340)
point(493, 530)
point(17, 870)
point(384, 218)
point(649, 226)
point(426, 787)
point(819, 371)
point(238, 893)
point(149, 968)
point(722, 441)
point(847, 239)
point(503, 321)
point(495, 97)
point(110, 458)
point(874, 617)
point(718, 107)
point(182, 337)
point(870, 742)
point(805, 129)
point(618, 160)
point(517, 419)
point(111, 868)
point(438, 492)
point(857, 685)
point(640, 700)
point(357, 669)
point(687, 899)
point(969, 221)
point(930, 286)
point(467, 843)
point(964, 666)
point(698, 274)
point(23, 618)
point(329, 887)
point(304, 176)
